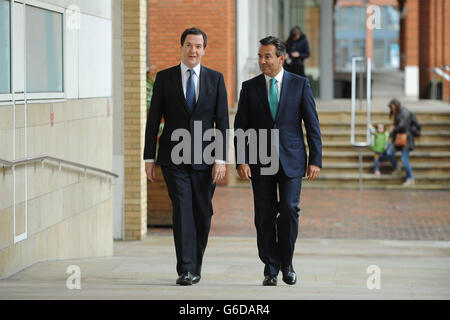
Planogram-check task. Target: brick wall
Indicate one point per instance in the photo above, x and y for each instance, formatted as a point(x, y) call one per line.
point(434, 41)
point(411, 29)
point(313, 34)
point(446, 41)
point(169, 18)
point(135, 116)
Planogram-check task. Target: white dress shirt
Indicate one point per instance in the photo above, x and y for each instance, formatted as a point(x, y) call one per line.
point(279, 78)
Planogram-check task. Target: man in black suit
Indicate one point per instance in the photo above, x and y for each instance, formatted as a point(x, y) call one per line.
point(189, 97)
point(277, 101)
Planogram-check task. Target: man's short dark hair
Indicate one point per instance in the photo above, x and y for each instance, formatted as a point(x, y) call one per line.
point(193, 31)
point(277, 42)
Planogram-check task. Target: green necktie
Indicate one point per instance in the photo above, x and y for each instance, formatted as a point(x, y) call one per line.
point(273, 98)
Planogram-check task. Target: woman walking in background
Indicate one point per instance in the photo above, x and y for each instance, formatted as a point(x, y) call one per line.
point(402, 125)
point(297, 49)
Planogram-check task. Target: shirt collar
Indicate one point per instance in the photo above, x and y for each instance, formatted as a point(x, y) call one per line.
point(278, 77)
point(185, 68)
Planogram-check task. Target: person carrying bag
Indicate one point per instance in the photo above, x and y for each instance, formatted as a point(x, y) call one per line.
point(403, 131)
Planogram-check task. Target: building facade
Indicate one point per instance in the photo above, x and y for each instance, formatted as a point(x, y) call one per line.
point(55, 100)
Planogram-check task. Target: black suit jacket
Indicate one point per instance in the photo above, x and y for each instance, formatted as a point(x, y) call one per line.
point(296, 105)
point(168, 101)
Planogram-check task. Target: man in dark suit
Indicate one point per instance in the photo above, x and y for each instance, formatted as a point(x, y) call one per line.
point(188, 95)
point(278, 101)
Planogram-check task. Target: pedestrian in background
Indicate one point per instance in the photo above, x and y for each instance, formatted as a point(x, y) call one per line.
point(297, 49)
point(379, 146)
point(401, 127)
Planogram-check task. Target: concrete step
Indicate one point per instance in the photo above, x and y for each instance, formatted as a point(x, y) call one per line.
point(415, 156)
point(360, 135)
point(419, 146)
point(371, 179)
point(382, 117)
point(430, 160)
point(345, 125)
point(367, 167)
point(351, 181)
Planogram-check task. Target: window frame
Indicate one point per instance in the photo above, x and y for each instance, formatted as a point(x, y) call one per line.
point(8, 96)
point(25, 96)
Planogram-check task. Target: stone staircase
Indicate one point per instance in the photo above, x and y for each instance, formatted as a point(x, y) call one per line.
point(430, 160)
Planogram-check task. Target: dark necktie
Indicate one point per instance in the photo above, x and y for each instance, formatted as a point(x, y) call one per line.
point(190, 92)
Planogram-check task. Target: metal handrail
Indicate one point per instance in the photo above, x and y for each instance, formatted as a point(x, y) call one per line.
point(7, 163)
point(367, 143)
point(438, 71)
point(368, 107)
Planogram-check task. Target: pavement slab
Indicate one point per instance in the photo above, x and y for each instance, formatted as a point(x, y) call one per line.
point(326, 268)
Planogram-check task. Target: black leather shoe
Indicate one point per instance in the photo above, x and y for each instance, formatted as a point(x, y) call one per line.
point(270, 280)
point(289, 276)
point(185, 279)
point(196, 278)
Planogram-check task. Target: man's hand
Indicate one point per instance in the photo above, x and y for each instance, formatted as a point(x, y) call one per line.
point(312, 172)
point(244, 171)
point(295, 54)
point(218, 172)
point(150, 169)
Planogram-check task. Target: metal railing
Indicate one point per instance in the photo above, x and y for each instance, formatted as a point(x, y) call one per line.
point(438, 71)
point(362, 144)
point(24, 161)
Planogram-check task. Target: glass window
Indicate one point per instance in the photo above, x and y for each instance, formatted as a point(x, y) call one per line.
point(342, 57)
point(44, 50)
point(394, 54)
point(392, 18)
point(343, 18)
point(359, 18)
point(378, 54)
point(359, 48)
point(5, 47)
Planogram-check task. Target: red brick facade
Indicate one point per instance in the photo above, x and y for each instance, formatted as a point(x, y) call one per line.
point(434, 40)
point(169, 18)
point(425, 38)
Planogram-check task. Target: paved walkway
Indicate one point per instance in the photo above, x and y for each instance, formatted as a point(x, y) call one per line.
point(342, 232)
point(326, 268)
point(342, 214)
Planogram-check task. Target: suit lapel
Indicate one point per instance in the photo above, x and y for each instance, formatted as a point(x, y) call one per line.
point(284, 91)
point(178, 88)
point(203, 86)
point(262, 94)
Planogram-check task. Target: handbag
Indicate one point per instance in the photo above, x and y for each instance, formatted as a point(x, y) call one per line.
point(400, 139)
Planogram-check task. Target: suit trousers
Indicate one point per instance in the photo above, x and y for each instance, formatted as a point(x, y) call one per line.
point(191, 193)
point(276, 218)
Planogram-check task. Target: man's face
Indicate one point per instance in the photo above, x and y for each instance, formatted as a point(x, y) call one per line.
point(268, 61)
point(192, 50)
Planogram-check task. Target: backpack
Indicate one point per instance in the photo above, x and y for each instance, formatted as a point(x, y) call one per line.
point(414, 126)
